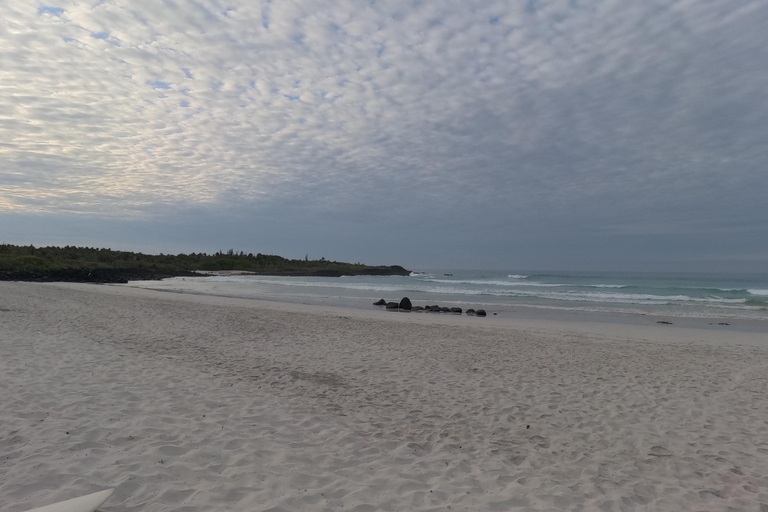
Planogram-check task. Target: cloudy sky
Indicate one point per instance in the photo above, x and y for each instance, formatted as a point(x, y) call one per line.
point(533, 134)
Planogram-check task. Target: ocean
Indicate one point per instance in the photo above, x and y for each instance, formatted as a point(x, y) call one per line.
point(723, 296)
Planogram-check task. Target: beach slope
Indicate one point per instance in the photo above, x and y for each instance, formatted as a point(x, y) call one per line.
point(196, 403)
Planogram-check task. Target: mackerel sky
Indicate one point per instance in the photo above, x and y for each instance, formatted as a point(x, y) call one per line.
point(434, 134)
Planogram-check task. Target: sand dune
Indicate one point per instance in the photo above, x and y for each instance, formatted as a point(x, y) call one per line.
point(197, 403)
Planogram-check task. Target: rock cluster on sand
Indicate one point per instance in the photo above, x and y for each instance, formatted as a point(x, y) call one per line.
point(406, 305)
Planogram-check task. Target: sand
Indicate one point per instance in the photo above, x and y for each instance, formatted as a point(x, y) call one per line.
point(199, 403)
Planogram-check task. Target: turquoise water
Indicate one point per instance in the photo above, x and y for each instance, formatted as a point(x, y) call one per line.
point(683, 295)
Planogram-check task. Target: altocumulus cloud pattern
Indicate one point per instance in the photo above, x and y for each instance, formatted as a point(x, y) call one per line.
point(651, 110)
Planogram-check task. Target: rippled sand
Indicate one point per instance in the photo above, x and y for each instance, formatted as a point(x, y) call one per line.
point(197, 403)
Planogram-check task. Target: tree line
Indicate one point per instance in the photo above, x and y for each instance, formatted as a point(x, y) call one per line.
point(18, 258)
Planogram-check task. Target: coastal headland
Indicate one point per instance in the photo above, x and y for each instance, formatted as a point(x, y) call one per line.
point(93, 265)
point(199, 402)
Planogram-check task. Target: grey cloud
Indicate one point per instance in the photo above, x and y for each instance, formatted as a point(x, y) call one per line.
point(602, 118)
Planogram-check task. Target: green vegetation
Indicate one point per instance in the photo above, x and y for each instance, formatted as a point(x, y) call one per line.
point(14, 258)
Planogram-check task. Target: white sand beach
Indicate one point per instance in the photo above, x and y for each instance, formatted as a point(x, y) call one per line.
point(198, 403)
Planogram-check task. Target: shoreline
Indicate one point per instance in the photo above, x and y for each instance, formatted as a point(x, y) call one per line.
point(92, 275)
point(106, 275)
point(495, 312)
point(198, 402)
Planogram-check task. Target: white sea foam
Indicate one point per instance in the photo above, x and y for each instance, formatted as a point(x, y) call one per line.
point(495, 292)
point(483, 282)
point(533, 284)
point(410, 286)
point(623, 298)
point(487, 288)
point(517, 276)
point(618, 297)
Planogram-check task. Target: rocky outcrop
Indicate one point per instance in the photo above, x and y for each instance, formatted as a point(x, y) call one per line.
point(93, 275)
point(380, 302)
point(405, 303)
point(392, 270)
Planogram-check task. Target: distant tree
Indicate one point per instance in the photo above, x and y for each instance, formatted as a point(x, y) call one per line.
point(29, 258)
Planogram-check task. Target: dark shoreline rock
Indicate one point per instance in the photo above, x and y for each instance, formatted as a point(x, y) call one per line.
point(406, 305)
point(393, 270)
point(94, 275)
point(123, 275)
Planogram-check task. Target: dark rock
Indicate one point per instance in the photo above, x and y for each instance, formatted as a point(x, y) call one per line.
point(445, 310)
point(480, 312)
point(470, 311)
point(456, 310)
point(380, 302)
point(664, 322)
point(327, 273)
point(94, 275)
point(392, 305)
point(405, 303)
point(393, 270)
point(418, 308)
point(434, 308)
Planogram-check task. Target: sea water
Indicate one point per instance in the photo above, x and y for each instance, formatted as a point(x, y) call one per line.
point(725, 296)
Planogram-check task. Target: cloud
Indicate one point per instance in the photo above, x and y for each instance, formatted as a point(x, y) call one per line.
point(546, 115)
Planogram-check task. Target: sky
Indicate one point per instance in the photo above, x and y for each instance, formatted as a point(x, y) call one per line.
point(534, 134)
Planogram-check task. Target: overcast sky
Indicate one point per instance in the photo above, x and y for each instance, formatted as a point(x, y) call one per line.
point(532, 134)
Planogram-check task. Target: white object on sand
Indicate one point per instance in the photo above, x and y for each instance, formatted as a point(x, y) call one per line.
point(87, 503)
